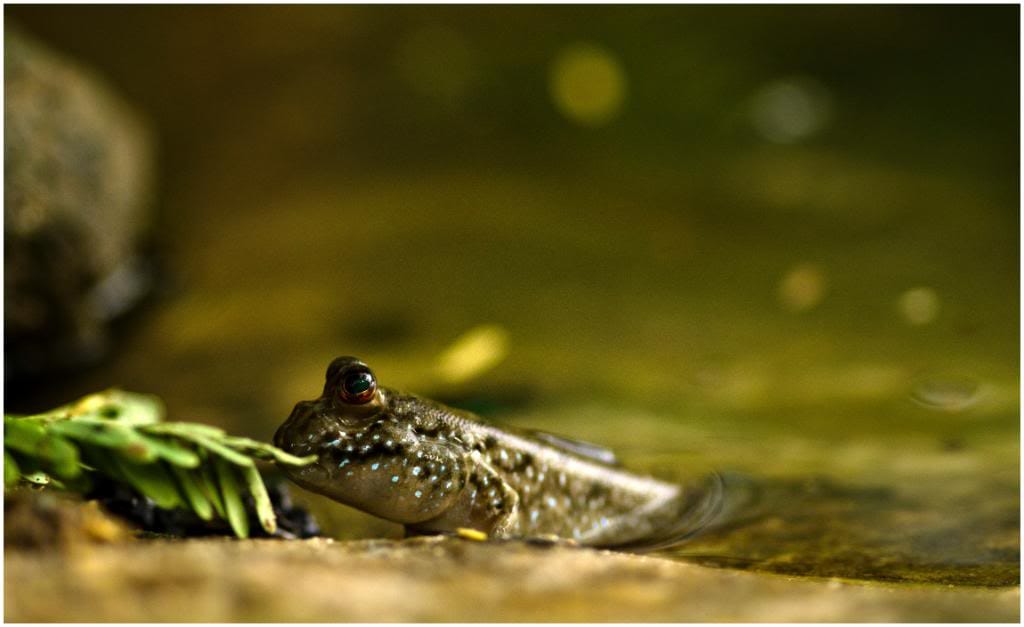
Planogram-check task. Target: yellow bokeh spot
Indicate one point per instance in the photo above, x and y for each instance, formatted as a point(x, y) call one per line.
point(919, 305)
point(588, 85)
point(803, 287)
point(473, 353)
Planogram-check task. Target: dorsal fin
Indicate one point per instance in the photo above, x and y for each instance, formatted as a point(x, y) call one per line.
point(591, 451)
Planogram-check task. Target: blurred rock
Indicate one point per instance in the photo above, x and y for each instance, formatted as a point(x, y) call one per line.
point(47, 520)
point(78, 170)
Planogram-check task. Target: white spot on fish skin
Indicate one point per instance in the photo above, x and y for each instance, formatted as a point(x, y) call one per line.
point(418, 493)
point(375, 466)
point(343, 463)
point(348, 474)
point(442, 468)
point(604, 521)
point(552, 502)
point(519, 458)
point(504, 455)
point(405, 461)
point(333, 443)
point(350, 448)
point(561, 479)
point(419, 454)
point(394, 478)
point(359, 435)
point(448, 485)
point(309, 438)
point(389, 443)
point(342, 434)
point(540, 477)
point(433, 478)
point(529, 472)
point(416, 471)
point(376, 437)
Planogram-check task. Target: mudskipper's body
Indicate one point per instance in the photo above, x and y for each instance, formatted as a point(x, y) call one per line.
point(436, 469)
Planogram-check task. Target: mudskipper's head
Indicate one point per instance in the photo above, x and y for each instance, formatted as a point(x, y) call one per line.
point(369, 455)
point(351, 401)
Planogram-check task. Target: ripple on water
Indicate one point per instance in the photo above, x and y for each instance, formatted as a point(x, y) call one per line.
point(946, 391)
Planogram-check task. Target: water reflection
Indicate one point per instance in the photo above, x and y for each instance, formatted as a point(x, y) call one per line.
point(946, 392)
point(823, 528)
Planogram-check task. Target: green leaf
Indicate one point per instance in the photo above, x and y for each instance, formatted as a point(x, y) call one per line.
point(171, 451)
point(120, 435)
point(137, 409)
point(217, 448)
point(207, 481)
point(153, 481)
point(207, 437)
point(116, 405)
point(61, 455)
point(23, 434)
point(30, 437)
point(267, 451)
point(193, 493)
point(11, 472)
point(264, 509)
point(108, 435)
point(185, 429)
point(233, 505)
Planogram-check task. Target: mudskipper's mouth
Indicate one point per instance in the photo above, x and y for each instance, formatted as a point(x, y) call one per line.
point(297, 435)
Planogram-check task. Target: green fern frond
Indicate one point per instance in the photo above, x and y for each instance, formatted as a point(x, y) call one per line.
point(121, 435)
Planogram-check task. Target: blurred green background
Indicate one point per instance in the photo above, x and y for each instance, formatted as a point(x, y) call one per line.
point(780, 241)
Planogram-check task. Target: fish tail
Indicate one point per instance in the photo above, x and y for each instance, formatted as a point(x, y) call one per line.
point(702, 505)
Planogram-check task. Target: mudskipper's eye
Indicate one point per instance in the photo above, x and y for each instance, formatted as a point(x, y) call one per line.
point(358, 387)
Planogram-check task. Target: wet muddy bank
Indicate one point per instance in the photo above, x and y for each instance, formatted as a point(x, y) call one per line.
point(446, 579)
